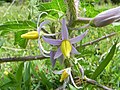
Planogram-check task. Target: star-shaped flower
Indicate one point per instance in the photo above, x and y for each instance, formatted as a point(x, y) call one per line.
point(65, 45)
point(65, 76)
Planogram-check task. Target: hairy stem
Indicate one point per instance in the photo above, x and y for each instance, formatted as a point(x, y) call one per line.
point(72, 11)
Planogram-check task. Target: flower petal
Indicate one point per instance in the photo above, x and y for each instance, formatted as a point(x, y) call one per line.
point(58, 72)
point(74, 51)
point(61, 59)
point(42, 51)
point(52, 41)
point(110, 12)
point(103, 21)
point(64, 30)
point(58, 53)
point(53, 61)
point(39, 28)
point(74, 82)
point(78, 38)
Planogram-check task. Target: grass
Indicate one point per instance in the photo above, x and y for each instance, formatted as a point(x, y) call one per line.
point(109, 77)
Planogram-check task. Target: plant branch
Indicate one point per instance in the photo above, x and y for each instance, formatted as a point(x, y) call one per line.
point(27, 58)
point(83, 20)
point(93, 82)
point(30, 58)
point(99, 39)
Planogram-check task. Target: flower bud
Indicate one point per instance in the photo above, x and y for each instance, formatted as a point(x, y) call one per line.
point(66, 48)
point(30, 35)
point(64, 75)
point(107, 17)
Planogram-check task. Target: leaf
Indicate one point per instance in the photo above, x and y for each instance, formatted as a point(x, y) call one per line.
point(19, 75)
point(20, 41)
point(55, 4)
point(18, 25)
point(8, 84)
point(27, 76)
point(4, 32)
point(11, 83)
point(55, 9)
point(105, 62)
point(45, 80)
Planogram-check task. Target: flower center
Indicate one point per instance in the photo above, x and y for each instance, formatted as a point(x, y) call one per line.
point(64, 75)
point(66, 48)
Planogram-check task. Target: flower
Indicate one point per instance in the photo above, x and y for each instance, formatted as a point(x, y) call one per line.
point(66, 74)
point(107, 17)
point(30, 35)
point(65, 45)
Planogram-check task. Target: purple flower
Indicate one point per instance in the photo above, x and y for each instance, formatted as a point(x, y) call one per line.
point(65, 45)
point(107, 17)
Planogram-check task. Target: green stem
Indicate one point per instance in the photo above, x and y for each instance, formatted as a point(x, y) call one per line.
point(76, 66)
point(67, 63)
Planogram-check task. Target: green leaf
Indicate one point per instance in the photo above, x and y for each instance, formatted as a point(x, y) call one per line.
point(45, 80)
point(8, 84)
point(19, 75)
point(55, 9)
point(20, 41)
point(55, 4)
point(105, 62)
point(27, 76)
point(18, 26)
point(12, 77)
point(12, 82)
point(34, 72)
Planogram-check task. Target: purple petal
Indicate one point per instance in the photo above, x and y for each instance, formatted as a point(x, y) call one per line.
point(110, 12)
point(53, 61)
point(61, 59)
point(52, 41)
point(39, 28)
point(58, 53)
point(74, 51)
point(99, 22)
point(64, 30)
point(78, 38)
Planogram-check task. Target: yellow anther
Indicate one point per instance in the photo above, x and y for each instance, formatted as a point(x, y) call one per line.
point(64, 75)
point(66, 48)
point(30, 35)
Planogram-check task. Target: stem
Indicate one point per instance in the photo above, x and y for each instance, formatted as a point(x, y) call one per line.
point(99, 39)
point(72, 12)
point(83, 20)
point(93, 82)
point(26, 58)
point(67, 63)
